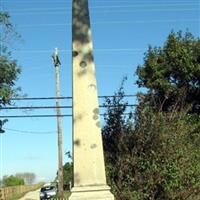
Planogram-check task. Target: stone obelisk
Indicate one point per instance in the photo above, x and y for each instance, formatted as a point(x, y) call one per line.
point(88, 159)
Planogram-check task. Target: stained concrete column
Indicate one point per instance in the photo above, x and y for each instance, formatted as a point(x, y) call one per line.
point(88, 158)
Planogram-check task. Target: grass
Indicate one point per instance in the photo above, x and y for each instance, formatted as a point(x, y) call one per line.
point(66, 195)
point(17, 196)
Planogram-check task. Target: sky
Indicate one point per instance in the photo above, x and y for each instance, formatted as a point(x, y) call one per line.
point(121, 30)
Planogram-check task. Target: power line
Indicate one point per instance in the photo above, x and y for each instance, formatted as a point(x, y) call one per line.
point(105, 7)
point(147, 10)
point(38, 98)
point(122, 66)
point(96, 1)
point(30, 132)
point(44, 116)
point(33, 107)
point(145, 21)
point(95, 50)
point(117, 22)
point(33, 116)
point(142, 6)
point(111, 11)
point(53, 107)
point(100, 1)
point(68, 97)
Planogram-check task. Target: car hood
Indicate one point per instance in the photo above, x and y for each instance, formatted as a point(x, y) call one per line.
point(53, 192)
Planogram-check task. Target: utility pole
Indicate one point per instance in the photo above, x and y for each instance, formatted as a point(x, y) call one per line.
point(59, 126)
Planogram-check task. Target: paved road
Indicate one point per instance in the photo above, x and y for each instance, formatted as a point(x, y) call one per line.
point(31, 196)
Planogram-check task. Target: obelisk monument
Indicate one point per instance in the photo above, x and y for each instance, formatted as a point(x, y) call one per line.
point(88, 159)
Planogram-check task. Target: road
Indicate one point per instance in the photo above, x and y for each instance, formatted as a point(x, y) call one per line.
point(31, 196)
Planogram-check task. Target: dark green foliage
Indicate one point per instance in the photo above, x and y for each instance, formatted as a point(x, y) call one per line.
point(8, 33)
point(115, 122)
point(154, 156)
point(8, 75)
point(9, 70)
point(157, 160)
point(172, 73)
point(67, 175)
point(12, 181)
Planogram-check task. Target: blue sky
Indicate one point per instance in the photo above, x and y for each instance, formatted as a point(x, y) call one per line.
point(122, 31)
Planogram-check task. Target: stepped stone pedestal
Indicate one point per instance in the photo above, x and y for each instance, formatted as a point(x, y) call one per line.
point(89, 168)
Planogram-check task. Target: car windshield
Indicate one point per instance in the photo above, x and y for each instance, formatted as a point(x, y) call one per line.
point(44, 189)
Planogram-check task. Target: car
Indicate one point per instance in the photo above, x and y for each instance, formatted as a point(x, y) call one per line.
point(47, 192)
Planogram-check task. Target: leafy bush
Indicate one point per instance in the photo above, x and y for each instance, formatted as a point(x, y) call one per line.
point(12, 181)
point(154, 156)
point(67, 175)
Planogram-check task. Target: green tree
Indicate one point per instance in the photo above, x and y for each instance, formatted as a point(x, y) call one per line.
point(9, 69)
point(151, 155)
point(12, 181)
point(67, 175)
point(116, 134)
point(172, 73)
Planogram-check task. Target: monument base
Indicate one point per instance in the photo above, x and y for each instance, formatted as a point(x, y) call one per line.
point(91, 193)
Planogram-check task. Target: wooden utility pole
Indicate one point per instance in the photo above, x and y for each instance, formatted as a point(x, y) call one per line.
point(59, 126)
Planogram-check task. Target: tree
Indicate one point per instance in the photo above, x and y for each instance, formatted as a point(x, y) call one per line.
point(116, 134)
point(172, 73)
point(12, 181)
point(9, 69)
point(151, 155)
point(8, 32)
point(28, 177)
point(67, 175)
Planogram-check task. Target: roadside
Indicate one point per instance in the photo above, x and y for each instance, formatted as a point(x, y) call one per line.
point(34, 195)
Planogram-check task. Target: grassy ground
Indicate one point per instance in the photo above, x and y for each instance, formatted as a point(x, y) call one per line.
point(67, 194)
point(18, 196)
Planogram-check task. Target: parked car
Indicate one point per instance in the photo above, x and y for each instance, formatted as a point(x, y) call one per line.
point(47, 192)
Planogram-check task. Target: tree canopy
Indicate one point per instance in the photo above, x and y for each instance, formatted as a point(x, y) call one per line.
point(172, 73)
point(12, 181)
point(154, 153)
point(9, 69)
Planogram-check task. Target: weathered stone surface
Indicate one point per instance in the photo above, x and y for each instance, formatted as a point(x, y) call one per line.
point(89, 167)
point(91, 193)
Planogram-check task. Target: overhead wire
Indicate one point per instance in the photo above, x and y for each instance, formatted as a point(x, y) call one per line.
point(32, 116)
point(104, 7)
point(95, 1)
point(45, 116)
point(99, 1)
point(116, 22)
point(38, 98)
point(113, 50)
point(63, 97)
point(30, 132)
point(112, 11)
point(51, 107)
